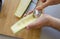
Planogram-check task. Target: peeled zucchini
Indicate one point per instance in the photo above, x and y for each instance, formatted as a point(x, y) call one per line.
point(22, 23)
point(22, 7)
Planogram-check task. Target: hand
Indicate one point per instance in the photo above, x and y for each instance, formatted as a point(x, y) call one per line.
point(40, 22)
point(46, 3)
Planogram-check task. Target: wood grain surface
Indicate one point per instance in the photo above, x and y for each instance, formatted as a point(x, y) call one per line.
point(7, 19)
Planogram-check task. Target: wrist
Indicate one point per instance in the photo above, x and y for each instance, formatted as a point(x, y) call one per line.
point(48, 22)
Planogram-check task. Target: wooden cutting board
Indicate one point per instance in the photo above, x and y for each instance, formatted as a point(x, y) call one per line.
point(7, 19)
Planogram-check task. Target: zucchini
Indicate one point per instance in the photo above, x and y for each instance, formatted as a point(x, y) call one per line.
point(23, 5)
point(22, 23)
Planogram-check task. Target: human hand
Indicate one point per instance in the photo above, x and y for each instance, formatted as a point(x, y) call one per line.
point(46, 3)
point(42, 21)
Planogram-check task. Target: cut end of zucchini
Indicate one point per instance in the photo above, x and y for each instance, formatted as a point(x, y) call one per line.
point(22, 7)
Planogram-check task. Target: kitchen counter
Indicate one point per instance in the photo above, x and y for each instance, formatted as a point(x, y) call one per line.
point(7, 19)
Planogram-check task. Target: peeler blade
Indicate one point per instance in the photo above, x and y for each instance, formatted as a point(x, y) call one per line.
point(32, 6)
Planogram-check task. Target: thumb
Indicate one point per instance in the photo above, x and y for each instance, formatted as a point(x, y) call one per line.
point(30, 26)
point(40, 7)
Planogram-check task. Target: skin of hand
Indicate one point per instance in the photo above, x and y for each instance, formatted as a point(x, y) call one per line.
point(45, 20)
point(46, 3)
point(40, 22)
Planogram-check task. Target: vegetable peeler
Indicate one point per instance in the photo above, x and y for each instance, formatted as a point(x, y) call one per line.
point(32, 7)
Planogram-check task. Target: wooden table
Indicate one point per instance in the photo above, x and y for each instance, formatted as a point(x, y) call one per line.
point(7, 19)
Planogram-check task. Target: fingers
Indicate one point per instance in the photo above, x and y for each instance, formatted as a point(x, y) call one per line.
point(38, 8)
point(27, 13)
point(39, 23)
point(32, 25)
point(43, 5)
point(36, 24)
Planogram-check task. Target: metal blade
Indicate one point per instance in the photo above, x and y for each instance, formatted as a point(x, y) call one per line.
point(32, 5)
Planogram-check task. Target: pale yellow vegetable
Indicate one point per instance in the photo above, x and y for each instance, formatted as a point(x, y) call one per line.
point(23, 5)
point(22, 23)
